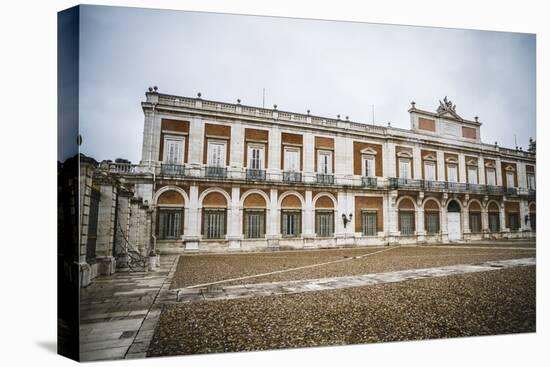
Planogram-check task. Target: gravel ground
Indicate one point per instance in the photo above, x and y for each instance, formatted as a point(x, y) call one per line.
point(496, 302)
point(199, 269)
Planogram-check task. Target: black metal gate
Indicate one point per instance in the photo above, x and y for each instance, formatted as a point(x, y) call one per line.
point(92, 226)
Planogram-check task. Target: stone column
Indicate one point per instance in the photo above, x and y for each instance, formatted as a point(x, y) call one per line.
point(417, 163)
point(388, 166)
point(440, 165)
point(420, 230)
point(465, 216)
point(191, 230)
point(308, 221)
point(343, 160)
point(481, 171)
point(235, 220)
point(461, 168)
point(274, 156)
point(196, 146)
point(87, 170)
point(522, 175)
point(273, 219)
point(524, 211)
point(393, 217)
point(150, 148)
point(308, 158)
point(123, 228)
point(498, 172)
point(236, 157)
point(485, 221)
point(443, 219)
point(106, 225)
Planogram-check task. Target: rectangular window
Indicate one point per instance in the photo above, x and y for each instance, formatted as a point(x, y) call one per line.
point(255, 156)
point(292, 159)
point(291, 221)
point(406, 222)
point(432, 222)
point(475, 222)
point(214, 223)
point(170, 223)
point(472, 175)
point(531, 181)
point(510, 179)
point(254, 223)
point(405, 168)
point(368, 167)
point(494, 222)
point(491, 177)
point(173, 149)
point(452, 173)
point(429, 171)
point(216, 153)
point(324, 223)
point(513, 221)
point(369, 223)
point(324, 162)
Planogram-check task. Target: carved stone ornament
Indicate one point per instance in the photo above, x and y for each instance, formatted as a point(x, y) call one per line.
point(446, 106)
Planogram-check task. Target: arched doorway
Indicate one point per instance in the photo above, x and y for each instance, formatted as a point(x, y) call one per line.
point(453, 220)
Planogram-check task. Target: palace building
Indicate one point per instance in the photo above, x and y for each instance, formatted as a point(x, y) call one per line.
point(218, 176)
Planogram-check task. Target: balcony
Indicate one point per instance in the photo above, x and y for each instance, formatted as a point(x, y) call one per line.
point(215, 172)
point(122, 168)
point(477, 189)
point(494, 190)
point(325, 179)
point(405, 184)
point(531, 194)
point(370, 182)
point(438, 186)
point(511, 191)
point(169, 169)
point(255, 174)
point(289, 176)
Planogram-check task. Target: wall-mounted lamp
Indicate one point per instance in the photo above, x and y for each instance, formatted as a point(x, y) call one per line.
point(346, 220)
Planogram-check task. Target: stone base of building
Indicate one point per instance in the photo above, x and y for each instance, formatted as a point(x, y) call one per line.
point(106, 265)
point(87, 272)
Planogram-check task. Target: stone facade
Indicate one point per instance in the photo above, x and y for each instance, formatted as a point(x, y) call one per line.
point(435, 182)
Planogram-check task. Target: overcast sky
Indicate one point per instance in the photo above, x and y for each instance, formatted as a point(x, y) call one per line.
point(328, 67)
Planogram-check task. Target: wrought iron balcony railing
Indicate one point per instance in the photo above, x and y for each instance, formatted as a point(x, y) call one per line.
point(405, 183)
point(477, 189)
point(511, 191)
point(289, 176)
point(532, 193)
point(215, 172)
point(325, 179)
point(435, 185)
point(495, 190)
point(169, 169)
point(371, 182)
point(253, 174)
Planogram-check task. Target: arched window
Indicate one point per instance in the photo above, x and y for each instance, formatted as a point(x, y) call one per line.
point(406, 217)
point(170, 215)
point(324, 217)
point(254, 216)
point(291, 216)
point(431, 214)
point(474, 217)
point(214, 216)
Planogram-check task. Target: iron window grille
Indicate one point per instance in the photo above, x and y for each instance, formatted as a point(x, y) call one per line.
point(214, 223)
point(93, 217)
point(254, 223)
point(324, 223)
point(368, 221)
point(291, 221)
point(432, 222)
point(475, 222)
point(406, 223)
point(170, 223)
point(494, 222)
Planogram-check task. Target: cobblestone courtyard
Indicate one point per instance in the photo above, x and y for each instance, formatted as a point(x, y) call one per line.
point(236, 302)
